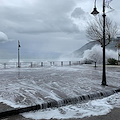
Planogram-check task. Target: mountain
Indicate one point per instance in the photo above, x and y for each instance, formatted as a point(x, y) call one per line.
point(88, 46)
point(79, 52)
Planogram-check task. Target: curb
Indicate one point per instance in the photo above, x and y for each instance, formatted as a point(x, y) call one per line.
point(60, 103)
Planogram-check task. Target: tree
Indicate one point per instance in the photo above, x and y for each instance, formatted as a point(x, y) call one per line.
point(95, 30)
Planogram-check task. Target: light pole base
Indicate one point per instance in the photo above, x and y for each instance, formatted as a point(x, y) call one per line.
point(104, 84)
point(18, 66)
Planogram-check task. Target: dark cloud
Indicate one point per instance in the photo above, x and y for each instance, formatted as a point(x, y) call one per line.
point(77, 13)
point(45, 16)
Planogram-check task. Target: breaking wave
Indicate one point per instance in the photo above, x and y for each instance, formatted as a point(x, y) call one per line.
point(96, 54)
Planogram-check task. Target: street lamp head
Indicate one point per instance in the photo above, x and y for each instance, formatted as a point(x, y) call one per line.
point(94, 12)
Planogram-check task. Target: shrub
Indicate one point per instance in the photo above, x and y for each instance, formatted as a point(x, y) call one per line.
point(112, 61)
point(87, 61)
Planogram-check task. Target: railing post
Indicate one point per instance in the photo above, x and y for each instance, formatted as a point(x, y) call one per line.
point(16, 64)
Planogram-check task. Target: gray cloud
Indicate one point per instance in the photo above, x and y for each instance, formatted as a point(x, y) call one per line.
point(47, 26)
point(3, 37)
point(45, 16)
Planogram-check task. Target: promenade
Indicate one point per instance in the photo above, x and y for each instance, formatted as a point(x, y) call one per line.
point(29, 86)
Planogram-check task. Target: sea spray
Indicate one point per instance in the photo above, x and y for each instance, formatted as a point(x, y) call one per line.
point(95, 54)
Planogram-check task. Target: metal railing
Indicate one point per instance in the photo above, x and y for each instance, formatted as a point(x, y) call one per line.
point(38, 64)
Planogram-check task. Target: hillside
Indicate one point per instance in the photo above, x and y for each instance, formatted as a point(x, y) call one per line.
point(89, 45)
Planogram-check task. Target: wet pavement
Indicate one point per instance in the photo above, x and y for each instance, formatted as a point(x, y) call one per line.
point(30, 86)
point(113, 115)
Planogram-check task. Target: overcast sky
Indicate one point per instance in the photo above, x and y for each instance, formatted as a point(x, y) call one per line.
point(47, 27)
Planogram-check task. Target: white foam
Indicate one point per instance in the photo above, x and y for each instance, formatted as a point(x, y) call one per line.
point(10, 103)
point(92, 108)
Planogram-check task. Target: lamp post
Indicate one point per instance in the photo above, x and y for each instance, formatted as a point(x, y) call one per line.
point(95, 12)
point(118, 48)
point(18, 54)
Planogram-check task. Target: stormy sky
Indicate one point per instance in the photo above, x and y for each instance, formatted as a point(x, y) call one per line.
point(47, 28)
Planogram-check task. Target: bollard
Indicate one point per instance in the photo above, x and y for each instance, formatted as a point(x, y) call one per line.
point(61, 63)
point(50, 63)
point(31, 65)
point(70, 63)
point(95, 64)
point(4, 65)
point(41, 64)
